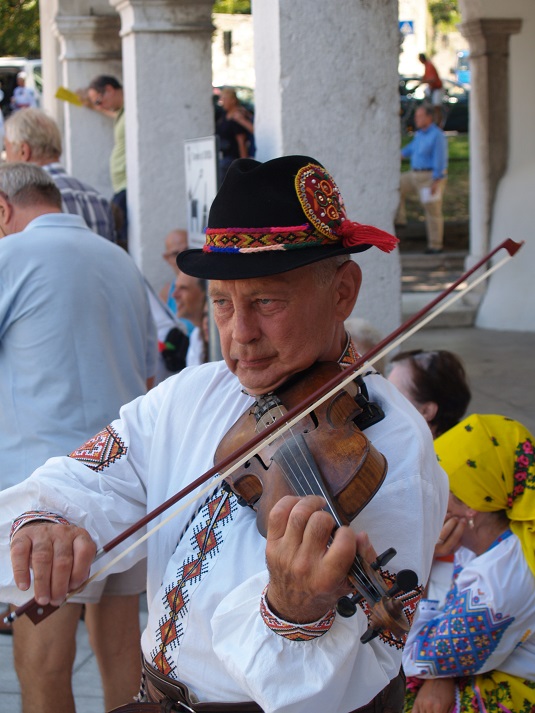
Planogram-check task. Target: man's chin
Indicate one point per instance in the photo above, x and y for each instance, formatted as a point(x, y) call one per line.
point(258, 384)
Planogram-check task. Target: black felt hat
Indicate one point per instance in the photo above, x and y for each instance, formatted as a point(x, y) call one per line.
point(272, 217)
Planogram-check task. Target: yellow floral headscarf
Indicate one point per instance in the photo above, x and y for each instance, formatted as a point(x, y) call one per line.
point(490, 462)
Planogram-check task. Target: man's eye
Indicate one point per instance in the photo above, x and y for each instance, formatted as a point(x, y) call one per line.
point(265, 301)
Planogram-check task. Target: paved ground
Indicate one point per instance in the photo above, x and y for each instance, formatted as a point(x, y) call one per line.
point(502, 376)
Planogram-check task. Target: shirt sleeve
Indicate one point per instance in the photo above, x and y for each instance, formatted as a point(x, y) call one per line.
point(341, 673)
point(440, 156)
point(407, 151)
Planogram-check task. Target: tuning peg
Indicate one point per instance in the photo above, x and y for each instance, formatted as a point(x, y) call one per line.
point(383, 558)
point(347, 606)
point(406, 580)
point(369, 634)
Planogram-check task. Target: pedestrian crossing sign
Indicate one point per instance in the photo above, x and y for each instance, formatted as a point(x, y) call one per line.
point(406, 27)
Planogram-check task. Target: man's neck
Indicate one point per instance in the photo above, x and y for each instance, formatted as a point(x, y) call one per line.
point(46, 160)
point(25, 217)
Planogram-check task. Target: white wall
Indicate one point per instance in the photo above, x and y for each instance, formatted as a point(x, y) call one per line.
point(237, 68)
point(508, 303)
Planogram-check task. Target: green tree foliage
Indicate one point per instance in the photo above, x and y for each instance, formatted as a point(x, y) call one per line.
point(445, 16)
point(233, 7)
point(19, 28)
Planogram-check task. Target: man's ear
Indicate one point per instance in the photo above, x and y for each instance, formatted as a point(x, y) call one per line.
point(25, 152)
point(6, 212)
point(348, 281)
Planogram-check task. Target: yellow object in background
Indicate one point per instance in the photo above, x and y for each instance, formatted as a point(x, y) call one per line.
point(68, 96)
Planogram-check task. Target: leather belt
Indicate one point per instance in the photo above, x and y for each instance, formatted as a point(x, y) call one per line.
point(169, 696)
point(422, 169)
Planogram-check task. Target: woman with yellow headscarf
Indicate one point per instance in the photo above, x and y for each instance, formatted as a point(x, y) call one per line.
point(476, 653)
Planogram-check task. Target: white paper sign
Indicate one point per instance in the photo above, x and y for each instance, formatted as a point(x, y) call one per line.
point(426, 196)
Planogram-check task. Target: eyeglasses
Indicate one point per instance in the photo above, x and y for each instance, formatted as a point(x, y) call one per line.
point(98, 101)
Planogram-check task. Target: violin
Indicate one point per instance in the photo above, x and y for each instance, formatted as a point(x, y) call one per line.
point(325, 454)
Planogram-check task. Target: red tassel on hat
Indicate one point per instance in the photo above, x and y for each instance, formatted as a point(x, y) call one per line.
point(353, 234)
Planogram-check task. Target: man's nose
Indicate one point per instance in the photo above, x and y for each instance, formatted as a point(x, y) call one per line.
point(245, 327)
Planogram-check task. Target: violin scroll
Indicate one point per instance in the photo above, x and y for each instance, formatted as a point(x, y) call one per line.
point(387, 612)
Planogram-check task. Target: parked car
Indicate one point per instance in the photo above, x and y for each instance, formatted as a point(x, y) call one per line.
point(9, 68)
point(454, 105)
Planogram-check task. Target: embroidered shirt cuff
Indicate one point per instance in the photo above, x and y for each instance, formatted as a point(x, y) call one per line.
point(291, 631)
point(33, 516)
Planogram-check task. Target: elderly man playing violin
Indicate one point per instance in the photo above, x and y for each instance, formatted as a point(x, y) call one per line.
point(239, 620)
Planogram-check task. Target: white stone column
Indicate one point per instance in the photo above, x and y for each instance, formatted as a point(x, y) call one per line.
point(327, 86)
point(168, 99)
point(49, 55)
point(489, 122)
point(89, 45)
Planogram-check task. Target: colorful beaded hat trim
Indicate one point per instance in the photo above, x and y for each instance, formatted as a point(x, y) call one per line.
point(246, 240)
point(320, 200)
point(322, 204)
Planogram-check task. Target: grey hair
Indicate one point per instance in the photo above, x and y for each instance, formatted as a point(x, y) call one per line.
point(324, 270)
point(35, 128)
point(26, 184)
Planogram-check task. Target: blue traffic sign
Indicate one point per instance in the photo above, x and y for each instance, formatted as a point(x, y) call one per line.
point(406, 27)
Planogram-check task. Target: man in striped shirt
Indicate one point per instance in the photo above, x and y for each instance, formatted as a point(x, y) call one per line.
point(32, 136)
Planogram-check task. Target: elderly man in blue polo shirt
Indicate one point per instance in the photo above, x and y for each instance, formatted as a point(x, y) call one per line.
point(428, 152)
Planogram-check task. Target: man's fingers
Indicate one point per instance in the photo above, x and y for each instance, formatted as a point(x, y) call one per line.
point(290, 515)
point(41, 558)
point(84, 550)
point(59, 556)
point(20, 561)
point(365, 547)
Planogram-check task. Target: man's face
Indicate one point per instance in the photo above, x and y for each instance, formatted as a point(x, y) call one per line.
point(175, 243)
point(190, 298)
point(108, 99)
point(13, 151)
point(422, 118)
point(273, 327)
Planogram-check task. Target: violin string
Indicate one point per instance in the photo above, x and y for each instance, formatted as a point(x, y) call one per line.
point(359, 575)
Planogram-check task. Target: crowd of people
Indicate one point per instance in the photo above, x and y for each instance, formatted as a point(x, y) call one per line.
point(247, 581)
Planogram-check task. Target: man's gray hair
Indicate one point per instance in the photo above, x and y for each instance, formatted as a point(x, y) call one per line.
point(324, 270)
point(39, 131)
point(25, 184)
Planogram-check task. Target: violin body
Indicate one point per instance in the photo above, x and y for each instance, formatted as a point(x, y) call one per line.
point(325, 454)
point(326, 445)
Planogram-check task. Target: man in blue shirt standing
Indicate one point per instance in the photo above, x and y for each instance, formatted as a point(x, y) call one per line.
point(428, 152)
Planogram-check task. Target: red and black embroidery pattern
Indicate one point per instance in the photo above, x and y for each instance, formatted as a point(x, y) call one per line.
point(101, 451)
point(295, 632)
point(34, 516)
point(205, 541)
